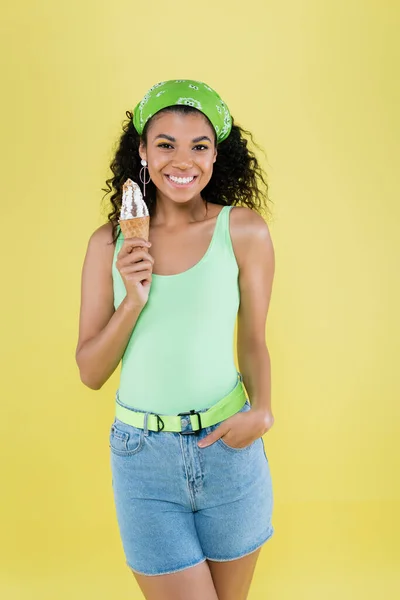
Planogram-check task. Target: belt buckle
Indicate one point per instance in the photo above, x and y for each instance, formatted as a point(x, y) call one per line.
point(160, 423)
point(191, 412)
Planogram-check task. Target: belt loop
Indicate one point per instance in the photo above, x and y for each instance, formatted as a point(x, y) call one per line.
point(145, 427)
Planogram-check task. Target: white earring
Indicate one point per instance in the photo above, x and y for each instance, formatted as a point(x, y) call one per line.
point(143, 175)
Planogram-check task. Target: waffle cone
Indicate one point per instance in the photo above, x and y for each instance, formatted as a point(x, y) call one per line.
point(136, 227)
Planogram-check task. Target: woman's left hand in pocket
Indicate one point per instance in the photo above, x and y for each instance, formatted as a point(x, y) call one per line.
point(242, 429)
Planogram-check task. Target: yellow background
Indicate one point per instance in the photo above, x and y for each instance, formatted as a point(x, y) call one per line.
point(317, 84)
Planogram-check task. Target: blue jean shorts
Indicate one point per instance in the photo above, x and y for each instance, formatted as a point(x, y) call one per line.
point(178, 505)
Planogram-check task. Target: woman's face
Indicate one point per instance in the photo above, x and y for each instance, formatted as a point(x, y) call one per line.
point(180, 153)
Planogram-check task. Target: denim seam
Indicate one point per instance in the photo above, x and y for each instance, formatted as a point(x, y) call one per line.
point(192, 564)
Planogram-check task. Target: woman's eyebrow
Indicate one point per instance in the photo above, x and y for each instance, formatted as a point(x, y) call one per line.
point(165, 136)
point(201, 138)
point(172, 139)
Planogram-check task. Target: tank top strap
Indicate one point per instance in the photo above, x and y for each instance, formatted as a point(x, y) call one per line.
point(223, 232)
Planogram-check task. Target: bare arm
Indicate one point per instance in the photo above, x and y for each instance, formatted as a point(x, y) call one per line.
point(103, 332)
point(257, 266)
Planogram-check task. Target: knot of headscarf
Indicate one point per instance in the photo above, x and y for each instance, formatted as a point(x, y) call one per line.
point(187, 92)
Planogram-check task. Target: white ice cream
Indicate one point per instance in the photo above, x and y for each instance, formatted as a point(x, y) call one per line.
point(133, 204)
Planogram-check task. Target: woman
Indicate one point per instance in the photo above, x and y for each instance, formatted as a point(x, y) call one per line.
point(190, 476)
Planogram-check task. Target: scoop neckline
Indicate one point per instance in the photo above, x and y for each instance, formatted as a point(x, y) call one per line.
point(201, 261)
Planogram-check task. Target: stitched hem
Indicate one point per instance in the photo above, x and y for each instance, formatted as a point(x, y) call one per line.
point(166, 572)
point(271, 532)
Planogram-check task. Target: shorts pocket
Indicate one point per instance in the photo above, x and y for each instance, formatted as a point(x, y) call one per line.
point(124, 439)
point(223, 444)
point(232, 449)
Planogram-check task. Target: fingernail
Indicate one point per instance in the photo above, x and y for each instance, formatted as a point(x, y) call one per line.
point(201, 444)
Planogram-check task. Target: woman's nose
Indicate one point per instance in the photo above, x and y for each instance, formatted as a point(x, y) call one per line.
point(182, 160)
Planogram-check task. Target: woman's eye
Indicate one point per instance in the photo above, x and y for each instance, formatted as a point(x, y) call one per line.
point(166, 145)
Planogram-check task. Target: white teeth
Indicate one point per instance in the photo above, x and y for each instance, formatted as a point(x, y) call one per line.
point(182, 180)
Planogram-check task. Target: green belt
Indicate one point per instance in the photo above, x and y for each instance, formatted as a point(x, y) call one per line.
point(228, 406)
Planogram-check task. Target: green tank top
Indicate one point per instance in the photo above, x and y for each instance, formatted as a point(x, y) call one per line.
point(180, 354)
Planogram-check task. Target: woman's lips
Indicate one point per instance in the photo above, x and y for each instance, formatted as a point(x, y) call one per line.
point(181, 185)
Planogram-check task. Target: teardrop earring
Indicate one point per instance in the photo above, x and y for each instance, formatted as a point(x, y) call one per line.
point(143, 175)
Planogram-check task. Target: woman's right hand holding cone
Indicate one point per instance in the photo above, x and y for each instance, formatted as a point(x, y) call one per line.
point(135, 266)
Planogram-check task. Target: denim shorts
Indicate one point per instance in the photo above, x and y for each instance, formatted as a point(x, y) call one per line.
point(178, 505)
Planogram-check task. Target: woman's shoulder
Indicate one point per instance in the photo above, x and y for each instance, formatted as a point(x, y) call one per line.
point(103, 233)
point(246, 223)
point(247, 227)
point(101, 239)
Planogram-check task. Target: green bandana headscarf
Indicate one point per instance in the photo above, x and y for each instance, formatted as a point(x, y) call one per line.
point(187, 92)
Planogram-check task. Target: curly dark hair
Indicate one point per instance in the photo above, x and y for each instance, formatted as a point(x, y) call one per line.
point(237, 177)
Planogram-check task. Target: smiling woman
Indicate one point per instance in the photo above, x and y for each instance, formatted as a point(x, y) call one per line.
point(237, 178)
point(181, 160)
point(178, 179)
point(190, 475)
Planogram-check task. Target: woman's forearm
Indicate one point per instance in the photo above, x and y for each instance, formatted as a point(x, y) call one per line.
point(98, 358)
point(255, 367)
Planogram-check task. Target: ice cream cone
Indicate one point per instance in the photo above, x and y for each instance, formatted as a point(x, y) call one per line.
point(136, 227)
point(134, 215)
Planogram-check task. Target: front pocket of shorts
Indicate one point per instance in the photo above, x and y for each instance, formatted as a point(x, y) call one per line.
point(232, 449)
point(220, 441)
point(125, 440)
